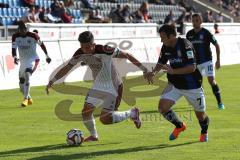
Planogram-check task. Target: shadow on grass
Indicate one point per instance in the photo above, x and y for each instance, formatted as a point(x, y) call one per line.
point(48, 148)
point(94, 154)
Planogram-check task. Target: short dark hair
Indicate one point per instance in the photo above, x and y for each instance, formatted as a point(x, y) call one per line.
point(196, 15)
point(35, 31)
point(21, 24)
point(168, 29)
point(86, 37)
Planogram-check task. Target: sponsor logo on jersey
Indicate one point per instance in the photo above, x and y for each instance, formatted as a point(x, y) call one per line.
point(190, 54)
point(175, 60)
point(201, 36)
point(167, 54)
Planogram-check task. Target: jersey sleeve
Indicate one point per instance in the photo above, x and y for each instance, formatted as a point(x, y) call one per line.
point(189, 53)
point(212, 38)
point(162, 58)
point(38, 39)
point(108, 50)
point(75, 58)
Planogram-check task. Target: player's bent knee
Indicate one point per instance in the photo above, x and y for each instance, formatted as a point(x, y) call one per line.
point(106, 118)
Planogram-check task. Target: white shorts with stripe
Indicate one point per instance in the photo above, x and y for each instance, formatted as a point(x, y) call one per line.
point(207, 69)
point(194, 96)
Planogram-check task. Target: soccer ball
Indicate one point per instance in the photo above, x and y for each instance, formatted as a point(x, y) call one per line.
point(74, 137)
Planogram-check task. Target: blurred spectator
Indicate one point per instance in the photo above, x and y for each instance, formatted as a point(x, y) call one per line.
point(180, 21)
point(126, 14)
point(169, 18)
point(188, 17)
point(69, 4)
point(31, 15)
point(144, 11)
point(219, 17)
point(116, 15)
point(28, 3)
point(42, 16)
point(210, 18)
point(87, 4)
point(36, 15)
point(216, 31)
point(63, 14)
point(95, 18)
point(169, 2)
point(141, 15)
point(160, 2)
point(55, 8)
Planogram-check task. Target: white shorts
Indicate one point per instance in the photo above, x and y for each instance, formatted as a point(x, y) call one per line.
point(207, 69)
point(101, 99)
point(194, 96)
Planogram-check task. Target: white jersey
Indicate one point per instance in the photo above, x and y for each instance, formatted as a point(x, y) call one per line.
point(26, 46)
point(106, 77)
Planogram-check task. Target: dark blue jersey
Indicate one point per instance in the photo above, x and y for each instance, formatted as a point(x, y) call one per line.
point(181, 56)
point(201, 42)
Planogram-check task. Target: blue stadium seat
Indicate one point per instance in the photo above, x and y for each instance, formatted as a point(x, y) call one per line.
point(3, 21)
point(10, 12)
point(9, 21)
point(19, 11)
point(78, 13)
point(49, 3)
point(1, 12)
point(16, 3)
point(4, 12)
point(15, 13)
point(23, 11)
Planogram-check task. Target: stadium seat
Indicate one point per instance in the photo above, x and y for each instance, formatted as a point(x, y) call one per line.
point(9, 21)
point(10, 12)
point(3, 21)
point(15, 13)
point(4, 12)
point(1, 12)
point(49, 4)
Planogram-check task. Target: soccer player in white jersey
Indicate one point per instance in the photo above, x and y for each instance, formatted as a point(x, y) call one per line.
point(105, 90)
point(25, 42)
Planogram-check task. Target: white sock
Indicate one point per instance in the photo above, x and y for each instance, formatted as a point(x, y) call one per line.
point(120, 116)
point(27, 85)
point(90, 125)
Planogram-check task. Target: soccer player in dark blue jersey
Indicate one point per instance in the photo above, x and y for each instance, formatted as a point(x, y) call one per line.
point(201, 39)
point(184, 79)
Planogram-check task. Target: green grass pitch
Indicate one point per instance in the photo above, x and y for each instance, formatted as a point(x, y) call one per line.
point(36, 133)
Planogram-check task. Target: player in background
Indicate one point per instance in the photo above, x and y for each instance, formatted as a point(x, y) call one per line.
point(25, 42)
point(201, 39)
point(106, 84)
point(183, 80)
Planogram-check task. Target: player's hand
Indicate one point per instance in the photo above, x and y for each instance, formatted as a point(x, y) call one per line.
point(167, 69)
point(49, 85)
point(48, 59)
point(149, 77)
point(217, 64)
point(16, 60)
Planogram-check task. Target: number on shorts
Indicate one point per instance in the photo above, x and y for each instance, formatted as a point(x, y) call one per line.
point(199, 101)
point(210, 68)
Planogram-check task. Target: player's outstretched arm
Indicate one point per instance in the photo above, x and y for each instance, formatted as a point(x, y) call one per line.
point(61, 73)
point(48, 59)
point(217, 64)
point(14, 55)
point(133, 60)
